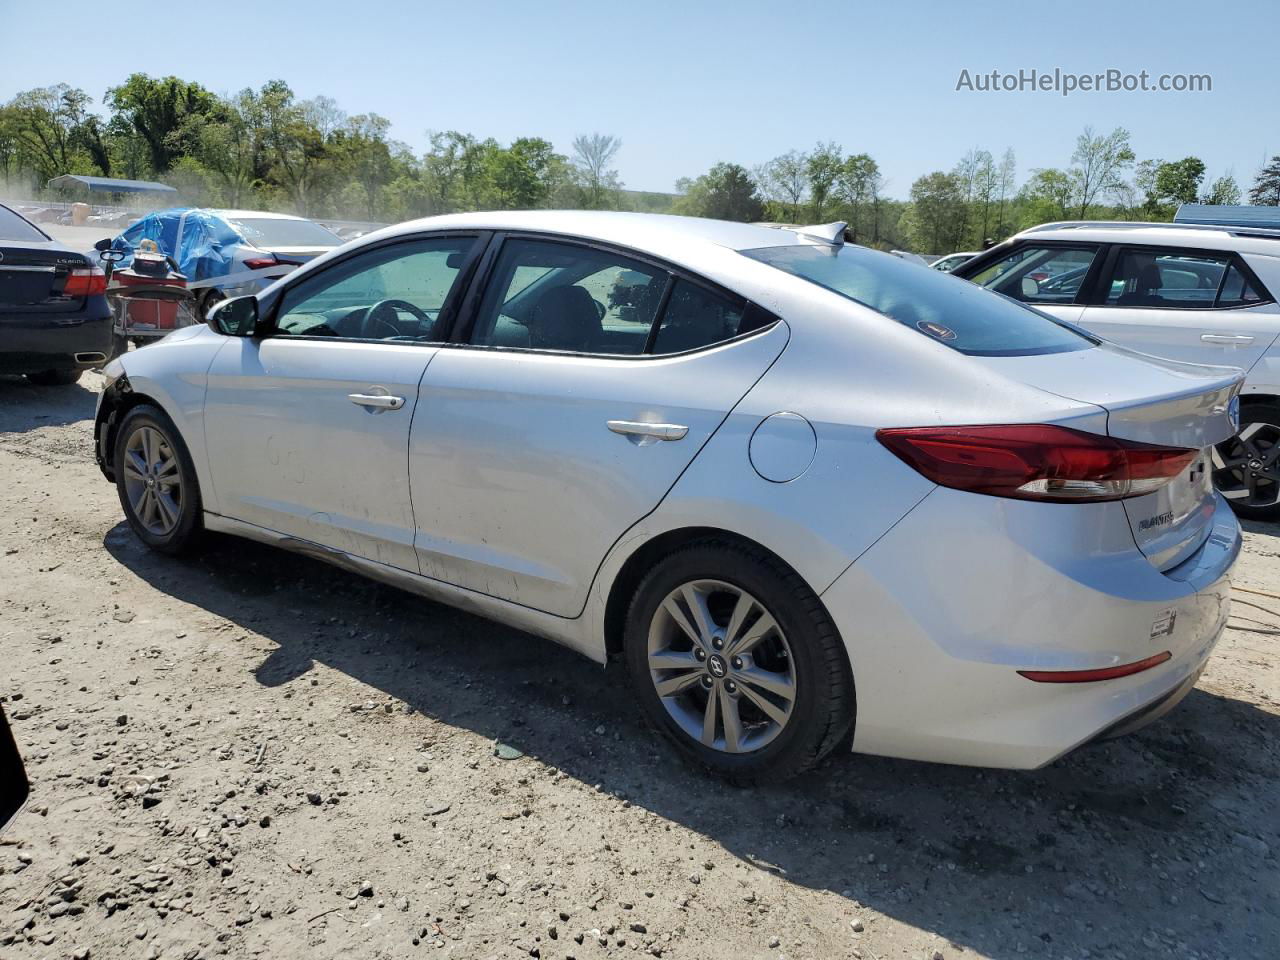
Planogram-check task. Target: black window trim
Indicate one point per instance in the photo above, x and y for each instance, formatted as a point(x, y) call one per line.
point(1098, 296)
point(465, 319)
point(270, 312)
point(967, 270)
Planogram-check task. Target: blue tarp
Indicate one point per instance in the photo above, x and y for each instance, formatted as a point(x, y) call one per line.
point(199, 251)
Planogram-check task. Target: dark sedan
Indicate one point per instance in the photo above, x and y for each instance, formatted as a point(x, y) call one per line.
point(54, 318)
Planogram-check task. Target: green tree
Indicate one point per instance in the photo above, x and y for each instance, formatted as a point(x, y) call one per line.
point(1224, 191)
point(157, 109)
point(592, 155)
point(520, 173)
point(857, 187)
point(783, 181)
point(1266, 185)
point(937, 201)
point(725, 192)
point(823, 168)
point(1050, 194)
point(46, 129)
point(1099, 165)
point(1179, 181)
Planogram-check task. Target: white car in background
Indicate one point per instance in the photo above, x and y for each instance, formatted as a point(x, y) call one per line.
point(807, 490)
point(1196, 293)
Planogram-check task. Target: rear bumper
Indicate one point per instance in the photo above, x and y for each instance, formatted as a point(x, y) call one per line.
point(32, 343)
point(941, 614)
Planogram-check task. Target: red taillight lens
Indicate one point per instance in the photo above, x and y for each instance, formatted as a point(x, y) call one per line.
point(1093, 676)
point(87, 282)
point(1036, 461)
point(257, 263)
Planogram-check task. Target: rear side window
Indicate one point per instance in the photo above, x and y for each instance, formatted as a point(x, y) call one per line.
point(1175, 279)
point(15, 227)
point(1039, 274)
point(963, 316)
point(696, 317)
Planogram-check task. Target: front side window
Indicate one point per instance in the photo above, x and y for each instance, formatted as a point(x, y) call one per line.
point(391, 293)
point(557, 296)
point(953, 311)
point(1174, 279)
point(1039, 274)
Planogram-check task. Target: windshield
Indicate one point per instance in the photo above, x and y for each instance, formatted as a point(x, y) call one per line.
point(953, 311)
point(15, 227)
point(270, 232)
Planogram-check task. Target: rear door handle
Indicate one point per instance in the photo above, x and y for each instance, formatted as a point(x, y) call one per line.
point(376, 401)
point(645, 433)
point(1226, 339)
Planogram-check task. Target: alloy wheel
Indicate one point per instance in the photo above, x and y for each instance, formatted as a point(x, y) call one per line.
point(1246, 468)
point(721, 666)
point(153, 480)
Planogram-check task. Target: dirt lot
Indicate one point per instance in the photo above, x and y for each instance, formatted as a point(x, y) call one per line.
point(251, 754)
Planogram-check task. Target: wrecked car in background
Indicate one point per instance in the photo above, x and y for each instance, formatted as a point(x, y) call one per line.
point(228, 253)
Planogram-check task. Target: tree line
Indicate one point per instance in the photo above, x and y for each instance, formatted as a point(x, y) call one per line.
point(268, 149)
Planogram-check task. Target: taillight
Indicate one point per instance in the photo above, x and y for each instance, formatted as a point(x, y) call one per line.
point(85, 282)
point(1036, 461)
point(257, 263)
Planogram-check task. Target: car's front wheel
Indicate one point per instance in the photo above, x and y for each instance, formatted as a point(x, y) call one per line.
point(156, 481)
point(736, 660)
point(1246, 468)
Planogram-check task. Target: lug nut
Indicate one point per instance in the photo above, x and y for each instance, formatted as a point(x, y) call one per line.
point(700, 654)
point(737, 663)
point(731, 686)
point(706, 682)
point(717, 642)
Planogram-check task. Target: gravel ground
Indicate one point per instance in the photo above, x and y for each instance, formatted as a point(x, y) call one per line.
point(251, 754)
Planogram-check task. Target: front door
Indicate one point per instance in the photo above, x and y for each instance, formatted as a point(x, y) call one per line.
point(308, 428)
point(589, 383)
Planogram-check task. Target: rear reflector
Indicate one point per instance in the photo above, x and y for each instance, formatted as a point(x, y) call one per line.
point(1091, 676)
point(1036, 461)
point(88, 282)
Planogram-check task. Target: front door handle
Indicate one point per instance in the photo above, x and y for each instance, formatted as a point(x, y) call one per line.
point(642, 433)
point(376, 401)
point(1230, 340)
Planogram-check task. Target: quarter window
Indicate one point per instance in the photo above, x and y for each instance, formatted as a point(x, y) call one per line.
point(392, 293)
point(1175, 279)
point(696, 317)
point(1045, 274)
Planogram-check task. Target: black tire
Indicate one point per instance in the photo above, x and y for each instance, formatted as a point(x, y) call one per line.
point(1236, 479)
point(210, 300)
point(55, 378)
point(186, 532)
point(824, 708)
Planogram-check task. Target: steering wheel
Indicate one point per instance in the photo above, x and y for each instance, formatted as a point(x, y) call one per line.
point(382, 313)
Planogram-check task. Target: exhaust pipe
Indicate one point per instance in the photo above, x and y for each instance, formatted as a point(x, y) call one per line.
point(91, 358)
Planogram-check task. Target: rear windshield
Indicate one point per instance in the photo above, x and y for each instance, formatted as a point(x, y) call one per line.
point(270, 232)
point(14, 227)
point(950, 310)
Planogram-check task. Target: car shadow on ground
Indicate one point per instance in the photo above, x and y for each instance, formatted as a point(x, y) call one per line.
point(1121, 845)
point(26, 406)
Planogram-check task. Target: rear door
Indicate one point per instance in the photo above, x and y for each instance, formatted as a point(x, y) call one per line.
point(588, 381)
point(308, 429)
point(1049, 275)
point(1198, 306)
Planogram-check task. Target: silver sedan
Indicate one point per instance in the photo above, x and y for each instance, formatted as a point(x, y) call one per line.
point(809, 493)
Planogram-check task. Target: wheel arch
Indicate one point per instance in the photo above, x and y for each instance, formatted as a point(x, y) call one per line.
point(642, 559)
point(117, 400)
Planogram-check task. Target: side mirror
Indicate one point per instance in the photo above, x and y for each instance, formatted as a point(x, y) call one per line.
point(102, 245)
point(237, 317)
point(1030, 287)
point(13, 777)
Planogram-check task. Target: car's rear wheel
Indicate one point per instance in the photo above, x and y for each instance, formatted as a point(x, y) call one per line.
point(55, 378)
point(1246, 468)
point(736, 660)
point(156, 481)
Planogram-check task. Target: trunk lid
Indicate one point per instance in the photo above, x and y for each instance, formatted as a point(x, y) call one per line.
point(32, 278)
point(1155, 401)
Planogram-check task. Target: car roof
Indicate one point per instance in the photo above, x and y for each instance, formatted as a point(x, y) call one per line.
point(1204, 236)
point(642, 231)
